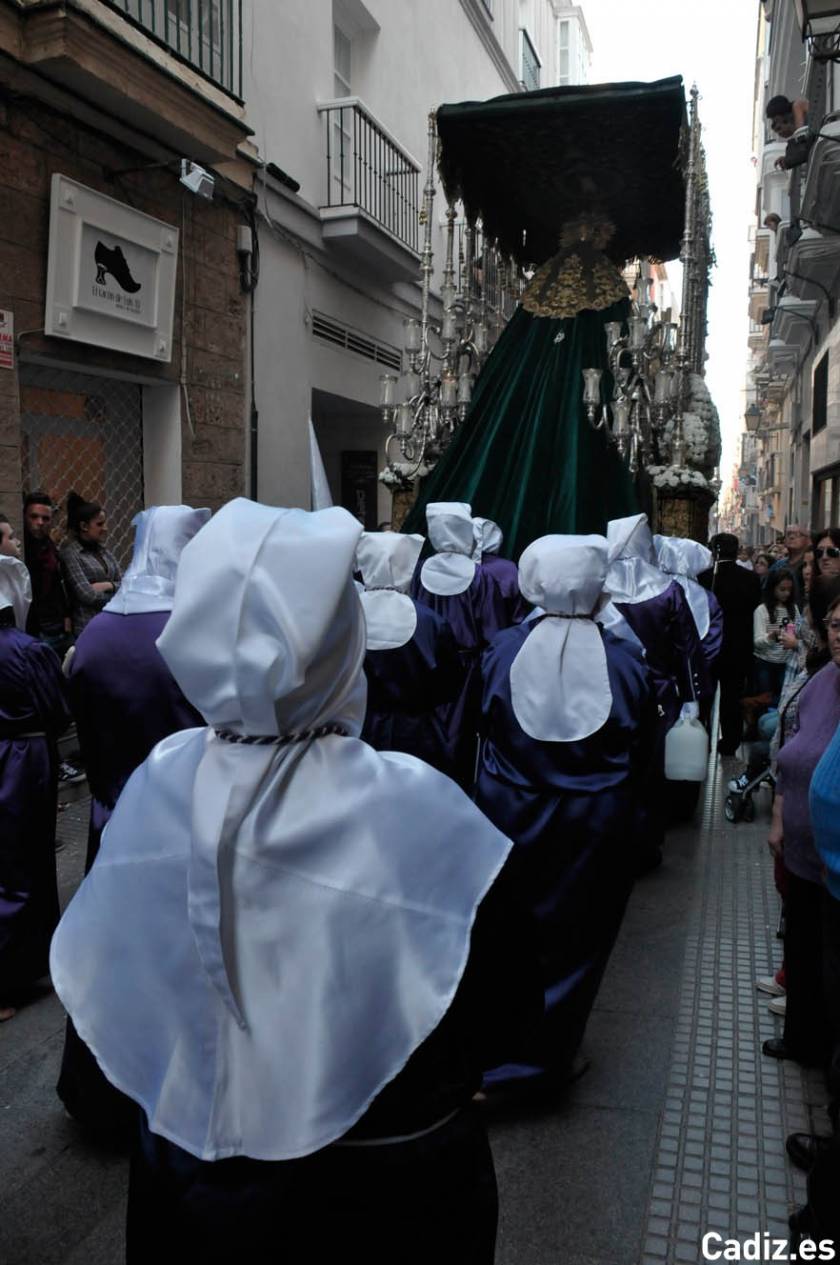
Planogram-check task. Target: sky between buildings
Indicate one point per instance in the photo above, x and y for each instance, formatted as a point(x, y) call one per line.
point(712, 43)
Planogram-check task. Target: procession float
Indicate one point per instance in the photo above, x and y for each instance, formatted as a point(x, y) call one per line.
point(542, 383)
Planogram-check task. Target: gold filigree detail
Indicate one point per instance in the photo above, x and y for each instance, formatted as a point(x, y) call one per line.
point(579, 277)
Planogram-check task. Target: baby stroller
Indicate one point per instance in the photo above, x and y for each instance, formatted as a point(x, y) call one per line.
point(738, 805)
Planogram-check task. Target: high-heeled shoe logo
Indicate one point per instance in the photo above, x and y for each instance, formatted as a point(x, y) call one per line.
point(114, 262)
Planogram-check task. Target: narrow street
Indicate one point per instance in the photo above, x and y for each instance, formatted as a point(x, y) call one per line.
point(677, 1128)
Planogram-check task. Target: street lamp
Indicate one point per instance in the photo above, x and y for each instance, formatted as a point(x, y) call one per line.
point(752, 417)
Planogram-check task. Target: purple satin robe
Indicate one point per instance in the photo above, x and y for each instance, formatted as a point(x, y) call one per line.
point(506, 575)
point(407, 688)
point(124, 700)
point(566, 806)
point(32, 701)
point(475, 617)
point(712, 643)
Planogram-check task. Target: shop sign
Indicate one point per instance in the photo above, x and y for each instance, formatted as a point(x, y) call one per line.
point(110, 274)
point(7, 340)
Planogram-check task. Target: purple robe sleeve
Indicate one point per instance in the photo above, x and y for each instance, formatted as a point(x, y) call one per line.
point(47, 689)
point(713, 641)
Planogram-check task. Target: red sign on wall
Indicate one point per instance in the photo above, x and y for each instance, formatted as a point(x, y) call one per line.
point(7, 340)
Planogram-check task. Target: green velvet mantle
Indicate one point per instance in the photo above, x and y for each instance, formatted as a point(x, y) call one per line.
point(526, 455)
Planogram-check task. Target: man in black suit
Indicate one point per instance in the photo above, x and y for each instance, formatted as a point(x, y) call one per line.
point(739, 592)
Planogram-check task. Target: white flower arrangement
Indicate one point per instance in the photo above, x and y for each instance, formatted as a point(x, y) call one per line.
point(677, 477)
point(400, 475)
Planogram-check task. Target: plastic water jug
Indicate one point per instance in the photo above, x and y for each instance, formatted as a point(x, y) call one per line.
point(687, 748)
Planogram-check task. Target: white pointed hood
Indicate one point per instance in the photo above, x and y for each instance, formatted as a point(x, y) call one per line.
point(683, 560)
point(160, 534)
point(487, 537)
point(452, 569)
point(272, 927)
point(559, 683)
point(387, 561)
point(633, 575)
point(15, 588)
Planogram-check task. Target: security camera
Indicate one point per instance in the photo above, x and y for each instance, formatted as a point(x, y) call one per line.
point(197, 180)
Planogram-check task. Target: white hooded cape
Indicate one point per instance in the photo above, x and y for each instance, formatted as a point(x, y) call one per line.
point(15, 588)
point(160, 534)
point(387, 561)
point(487, 538)
point(452, 569)
point(559, 682)
point(683, 560)
point(633, 575)
point(271, 930)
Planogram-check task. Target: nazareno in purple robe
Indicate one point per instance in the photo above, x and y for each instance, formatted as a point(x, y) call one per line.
point(665, 626)
point(124, 700)
point(506, 575)
point(33, 713)
point(475, 617)
point(408, 686)
point(566, 806)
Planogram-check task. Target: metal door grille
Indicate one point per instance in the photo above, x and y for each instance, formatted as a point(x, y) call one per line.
point(84, 433)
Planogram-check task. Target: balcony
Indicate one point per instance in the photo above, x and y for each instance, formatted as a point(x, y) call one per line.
point(795, 322)
point(774, 183)
point(370, 214)
point(167, 69)
point(812, 265)
point(759, 302)
point(206, 34)
point(821, 192)
point(761, 255)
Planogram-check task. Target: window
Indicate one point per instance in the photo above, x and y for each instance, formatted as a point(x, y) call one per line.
point(530, 73)
point(342, 120)
point(564, 73)
point(342, 64)
point(820, 404)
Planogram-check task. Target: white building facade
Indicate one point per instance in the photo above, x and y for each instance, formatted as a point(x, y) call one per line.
point(793, 367)
point(338, 93)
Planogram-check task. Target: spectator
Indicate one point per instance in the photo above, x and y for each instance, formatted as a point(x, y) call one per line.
point(818, 1155)
point(745, 555)
point(776, 624)
point(789, 121)
point(9, 543)
point(786, 116)
point(797, 542)
point(91, 572)
point(807, 1035)
point(49, 615)
point(738, 592)
point(827, 551)
point(762, 564)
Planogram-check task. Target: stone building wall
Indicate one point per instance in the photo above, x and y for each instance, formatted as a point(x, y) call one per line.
point(210, 327)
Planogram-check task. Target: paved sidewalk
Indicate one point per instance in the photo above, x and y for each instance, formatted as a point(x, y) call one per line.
point(677, 1128)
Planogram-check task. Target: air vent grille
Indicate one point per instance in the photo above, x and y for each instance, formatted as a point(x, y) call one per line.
point(332, 331)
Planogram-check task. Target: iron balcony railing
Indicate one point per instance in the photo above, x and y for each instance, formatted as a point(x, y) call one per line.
point(366, 168)
point(206, 34)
